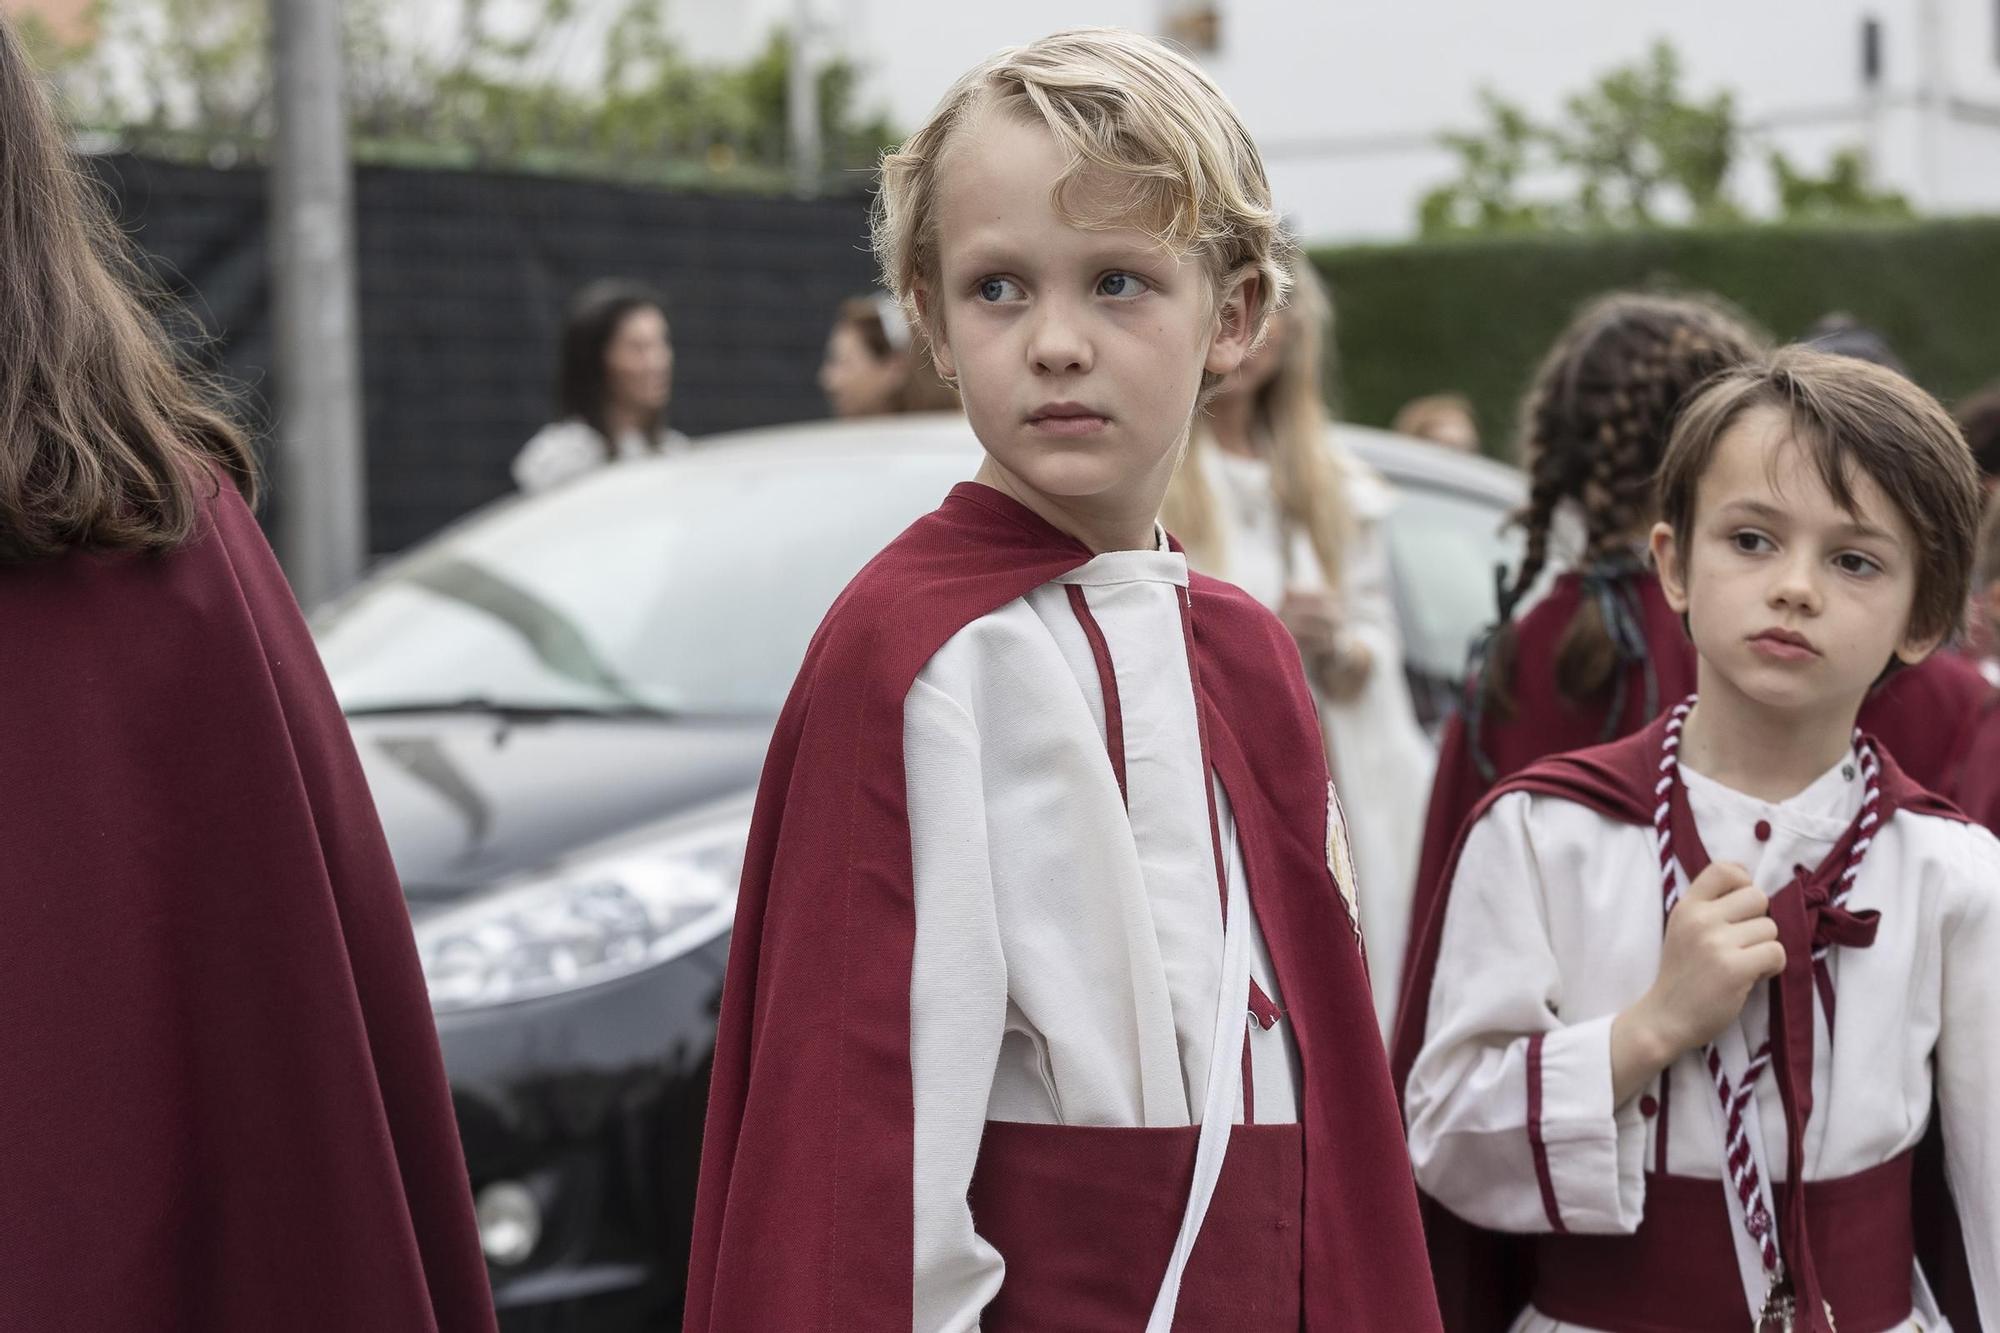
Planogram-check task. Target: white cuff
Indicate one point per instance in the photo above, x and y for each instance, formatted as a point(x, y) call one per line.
point(1594, 1154)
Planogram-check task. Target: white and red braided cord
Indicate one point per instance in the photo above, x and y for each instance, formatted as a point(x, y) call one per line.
point(1740, 1155)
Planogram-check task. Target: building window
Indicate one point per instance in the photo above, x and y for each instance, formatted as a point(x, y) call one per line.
point(1871, 53)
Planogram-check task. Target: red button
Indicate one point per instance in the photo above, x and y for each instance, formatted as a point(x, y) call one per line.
point(1649, 1106)
point(1763, 830)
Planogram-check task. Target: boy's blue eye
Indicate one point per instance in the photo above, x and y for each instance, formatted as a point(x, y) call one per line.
point(995, 289)
point(1121, 284)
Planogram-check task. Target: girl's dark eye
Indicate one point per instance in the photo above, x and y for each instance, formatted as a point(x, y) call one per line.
point(1750, 542)
point(1854, 563)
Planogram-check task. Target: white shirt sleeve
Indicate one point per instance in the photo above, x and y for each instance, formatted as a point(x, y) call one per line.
point(558, 453)
point(1968, 1077)
point(1511, 1121)
point(958, 1006)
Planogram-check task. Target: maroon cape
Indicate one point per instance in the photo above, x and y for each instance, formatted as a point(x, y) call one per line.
point(804, 1217)
point(221, 1101)
point(1977, 787)
point(1921, 715)
point(1484, 1277)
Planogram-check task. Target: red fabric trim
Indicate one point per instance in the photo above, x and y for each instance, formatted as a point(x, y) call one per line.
point(1249, 1084)
point(1660, 1134)
point(1263, 1008)
point(1107, 682)
point(1535, 1143)
point(1207, 763)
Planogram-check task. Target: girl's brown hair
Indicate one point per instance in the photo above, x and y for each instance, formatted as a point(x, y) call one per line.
point(922, 389)
point(1593, 428)
point(1291, 408)
point(106, 440)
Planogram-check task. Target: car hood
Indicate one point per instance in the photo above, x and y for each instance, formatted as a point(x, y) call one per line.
point(469, 800)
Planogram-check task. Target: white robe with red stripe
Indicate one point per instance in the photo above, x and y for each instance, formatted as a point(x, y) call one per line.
point(1555, 927)
point(1068, 947)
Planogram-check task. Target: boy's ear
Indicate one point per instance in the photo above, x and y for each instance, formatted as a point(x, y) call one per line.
point(1236, 322)
point(1912, 650)
point(933, 322)
point(1667, 557)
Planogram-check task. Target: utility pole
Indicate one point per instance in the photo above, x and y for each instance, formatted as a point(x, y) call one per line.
point(322, 533)
point(802, 103)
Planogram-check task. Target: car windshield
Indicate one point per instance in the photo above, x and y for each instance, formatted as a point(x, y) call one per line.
point(675, 587)
point(1444, 546)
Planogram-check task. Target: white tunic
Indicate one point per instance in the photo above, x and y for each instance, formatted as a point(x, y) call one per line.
point(1555, 927)
point(1068, 952)
point(1380, 756)
point(565, 450)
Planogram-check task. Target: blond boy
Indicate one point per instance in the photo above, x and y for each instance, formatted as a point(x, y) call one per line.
point(1044, 990)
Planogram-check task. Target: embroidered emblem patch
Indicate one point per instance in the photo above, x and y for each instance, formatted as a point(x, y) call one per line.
point(1340, 859)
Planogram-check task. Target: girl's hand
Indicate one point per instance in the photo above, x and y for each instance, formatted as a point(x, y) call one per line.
point(1337, 663)
point(1314, 618)
point(1720, 942)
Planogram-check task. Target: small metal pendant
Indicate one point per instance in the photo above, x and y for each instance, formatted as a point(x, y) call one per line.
point(1781, 1310)
point(1780, 1313)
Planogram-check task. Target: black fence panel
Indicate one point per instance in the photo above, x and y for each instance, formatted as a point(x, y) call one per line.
point(463, 279)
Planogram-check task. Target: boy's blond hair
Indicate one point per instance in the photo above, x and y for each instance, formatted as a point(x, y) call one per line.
point(1123, 106)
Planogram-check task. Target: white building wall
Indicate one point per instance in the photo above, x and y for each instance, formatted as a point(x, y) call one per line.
point(1347, 96)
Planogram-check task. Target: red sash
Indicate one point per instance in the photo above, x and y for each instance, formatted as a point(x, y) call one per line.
point(1086, 1217)
point(1678, 1273)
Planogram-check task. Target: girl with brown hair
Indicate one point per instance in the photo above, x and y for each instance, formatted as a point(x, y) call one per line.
point(877, 365)
point(223, 1101)
point(614, 382)
point(1267, 500)
point(1600, 652)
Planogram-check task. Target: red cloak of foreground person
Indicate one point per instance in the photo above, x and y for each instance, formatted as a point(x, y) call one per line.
point(222, 1106)
point(805, 1212)
point(1485, 1278)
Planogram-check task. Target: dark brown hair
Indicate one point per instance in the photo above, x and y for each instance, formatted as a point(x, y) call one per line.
point(1856, 419)
point(588, 328)
point(922, 389)
point(1593, 426)
point(1986, 563)
point(106, 438)
point(1979, 417)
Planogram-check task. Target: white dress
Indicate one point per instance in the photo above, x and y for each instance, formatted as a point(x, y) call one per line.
point(1555, 927)
point(565, 450)
point(1068, 952)
point(1382, 762)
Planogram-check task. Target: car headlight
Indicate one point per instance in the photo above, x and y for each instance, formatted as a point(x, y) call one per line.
point(585, 923)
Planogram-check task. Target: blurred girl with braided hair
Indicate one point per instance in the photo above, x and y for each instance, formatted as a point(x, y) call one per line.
point(1600, 653)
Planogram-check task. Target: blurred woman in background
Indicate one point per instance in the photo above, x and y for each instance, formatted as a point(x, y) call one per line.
point(614, 379)
point(1441, 418)
point(1267, 500)
point(876, 366)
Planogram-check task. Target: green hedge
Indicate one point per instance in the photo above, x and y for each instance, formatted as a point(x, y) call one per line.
point(1475, 316)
